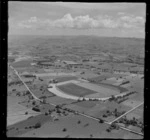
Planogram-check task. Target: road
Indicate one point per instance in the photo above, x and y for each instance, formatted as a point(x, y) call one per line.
point(126, 113)
point(73, 110)
point(110, 124)
point(25, 84)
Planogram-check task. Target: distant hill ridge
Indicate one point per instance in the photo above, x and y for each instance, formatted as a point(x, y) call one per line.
point(108, 44)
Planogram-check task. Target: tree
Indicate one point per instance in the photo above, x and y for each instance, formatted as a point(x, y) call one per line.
point(37, 125)
point(134, 118)
point(91, 136)
point(58, 111)
point(104, 115)
point(108, 130)
point(34, 102)
point(113, 97)
point(36, 109)
point(57, 106)
point(79, 122)
point(44, 101)
point(64, 130)
point(13, 89)
point(114, 126)
point(18, 94)
point(83, 99)
point(101, 121)
point(46, 113)
point(107, 111)
point(26, 113)
point(142, 130)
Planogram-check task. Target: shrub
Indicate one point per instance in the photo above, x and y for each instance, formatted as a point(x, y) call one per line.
point(64, 129)
point(37, 125)
point(26, 113)
point(104, 116)
point(101, 121)
point(91, 135)
point(36, 109)
point(30, 127)
point(79, 122)
point(26, 127)
point(13, 89)
point(46, 113)
point(108, 130)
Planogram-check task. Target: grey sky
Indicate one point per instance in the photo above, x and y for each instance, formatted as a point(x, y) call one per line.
point(58, 18)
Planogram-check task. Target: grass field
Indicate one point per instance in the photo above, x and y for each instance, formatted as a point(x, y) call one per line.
point(114, 87)
point(58, 100)
point(22, 63)
point(87, 104)
point(98, 80)
point(86, 128)
point(137, 113)
point(101, 91)
point(29, 122)
point(75, 90)
point(15, 111)
point(66, 78)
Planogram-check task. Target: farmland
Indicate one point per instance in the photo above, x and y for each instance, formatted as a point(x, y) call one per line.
point(88, 73)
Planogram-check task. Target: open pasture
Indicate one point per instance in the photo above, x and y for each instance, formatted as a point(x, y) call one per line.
point(16, 112)
point(58, 100)
point(137, 113)
point(78, 108)
point(23, 125)
point(54, 74)
point(66, 78)
point(74, 130)
point(131, 103)
point(98, 79)
point(87, 104)
point(22, 63)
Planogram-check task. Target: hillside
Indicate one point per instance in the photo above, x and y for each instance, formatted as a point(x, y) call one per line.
point(47, 44)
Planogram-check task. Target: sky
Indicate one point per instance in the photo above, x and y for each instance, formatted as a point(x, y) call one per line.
point(74, 18)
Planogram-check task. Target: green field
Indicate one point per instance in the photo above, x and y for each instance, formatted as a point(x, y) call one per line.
point(113, 87)
point(23, 124)
point(22, 63)
point(66, 78)
point(87, 104)
point(75, 90)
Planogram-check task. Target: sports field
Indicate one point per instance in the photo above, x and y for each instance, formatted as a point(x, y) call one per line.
point(74, 89)
point(66, 78)
point(89, 90)
point(100, 91)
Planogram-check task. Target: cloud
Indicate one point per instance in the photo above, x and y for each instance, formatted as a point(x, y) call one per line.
point(32, 19)
point(86, 22)
point(82, 22)
point(131, 21)
point(100, 6)
point(120, 13)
